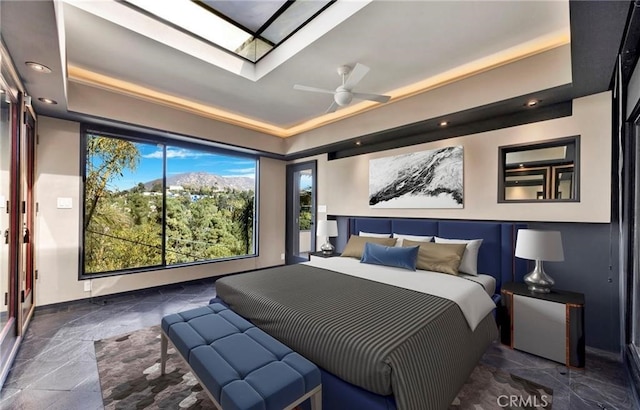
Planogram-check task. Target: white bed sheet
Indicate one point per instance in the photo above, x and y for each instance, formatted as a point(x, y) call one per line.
point(487, 281)
point(473, 301)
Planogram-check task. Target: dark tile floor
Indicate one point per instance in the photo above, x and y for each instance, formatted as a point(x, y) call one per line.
point(56, 366)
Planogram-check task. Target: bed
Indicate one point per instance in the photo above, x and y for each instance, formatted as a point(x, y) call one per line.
point(381, 342)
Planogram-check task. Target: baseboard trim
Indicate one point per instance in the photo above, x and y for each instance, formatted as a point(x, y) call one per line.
point(103, 299)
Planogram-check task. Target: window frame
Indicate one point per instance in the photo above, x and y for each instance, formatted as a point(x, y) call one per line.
point(167, 140)
point(503, 170)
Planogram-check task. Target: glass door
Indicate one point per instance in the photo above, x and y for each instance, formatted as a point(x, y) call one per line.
point(301, 211)
point(27, 165)
point(9, 130)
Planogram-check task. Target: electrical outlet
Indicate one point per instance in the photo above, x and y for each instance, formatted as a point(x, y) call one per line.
point(282, 256)
point(87, 285)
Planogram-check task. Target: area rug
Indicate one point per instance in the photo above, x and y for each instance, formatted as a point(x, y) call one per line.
point(129, 368)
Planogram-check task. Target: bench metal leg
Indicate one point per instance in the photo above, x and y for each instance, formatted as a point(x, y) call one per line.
point(163, 352)
point(315, 396)
point(316, 400)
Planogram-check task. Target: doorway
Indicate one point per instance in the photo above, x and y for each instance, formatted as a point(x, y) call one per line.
point(301, 212)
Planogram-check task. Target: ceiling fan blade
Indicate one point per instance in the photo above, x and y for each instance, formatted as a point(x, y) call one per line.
point(332, 108)
point(357, 74)
point(372, 97)
point(312, 89)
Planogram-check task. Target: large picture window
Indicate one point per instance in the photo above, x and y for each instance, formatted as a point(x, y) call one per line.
point(160, 203)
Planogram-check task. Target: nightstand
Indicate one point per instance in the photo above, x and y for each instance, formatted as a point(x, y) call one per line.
point(550, 325)
point(322, 255)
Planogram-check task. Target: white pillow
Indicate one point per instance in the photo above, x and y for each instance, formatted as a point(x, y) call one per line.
point(469, 263)
point(416, 238)
point(374, 235)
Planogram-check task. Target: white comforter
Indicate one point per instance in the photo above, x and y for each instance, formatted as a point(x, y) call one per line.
point(473, 301)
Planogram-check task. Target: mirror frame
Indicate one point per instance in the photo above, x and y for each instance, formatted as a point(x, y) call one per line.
point(502, 156)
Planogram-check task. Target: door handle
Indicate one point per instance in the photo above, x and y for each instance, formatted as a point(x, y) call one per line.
point(25, 238)
point(6, 236)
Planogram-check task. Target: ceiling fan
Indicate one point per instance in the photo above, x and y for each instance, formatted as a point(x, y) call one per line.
point(343, 95)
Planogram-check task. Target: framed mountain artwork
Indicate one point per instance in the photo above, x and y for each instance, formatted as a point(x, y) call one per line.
point(425, 179)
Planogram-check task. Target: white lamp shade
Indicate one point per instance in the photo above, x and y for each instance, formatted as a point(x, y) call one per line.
point(539, 245)
point(327, 228)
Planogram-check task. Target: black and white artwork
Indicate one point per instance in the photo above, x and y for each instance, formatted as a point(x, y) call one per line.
point(426, 179)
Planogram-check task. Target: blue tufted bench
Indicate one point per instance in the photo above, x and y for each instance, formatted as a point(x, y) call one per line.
point(240, 366)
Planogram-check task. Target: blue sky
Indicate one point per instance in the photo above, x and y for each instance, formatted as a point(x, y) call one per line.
point(179, 161)
point(305, 181)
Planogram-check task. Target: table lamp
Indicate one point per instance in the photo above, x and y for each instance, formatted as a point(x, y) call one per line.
point(327, 229)
point(539, 246)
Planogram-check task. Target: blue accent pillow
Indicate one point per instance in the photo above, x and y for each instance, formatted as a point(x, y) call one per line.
point(390, 255)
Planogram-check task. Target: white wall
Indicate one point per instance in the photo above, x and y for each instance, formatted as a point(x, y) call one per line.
point(343, 184)
point(58, 230)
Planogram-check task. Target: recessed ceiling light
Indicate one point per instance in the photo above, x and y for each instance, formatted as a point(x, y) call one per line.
point(47, 101)
point(358, 143)
point(532, 103)
point(41, 68)
point(444, 123)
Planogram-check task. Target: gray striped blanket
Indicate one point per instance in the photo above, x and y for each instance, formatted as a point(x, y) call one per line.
point(385, 339)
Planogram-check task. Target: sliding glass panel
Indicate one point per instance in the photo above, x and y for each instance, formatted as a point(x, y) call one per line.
point(5, 194)
point(9, 223)
point(152, 205)
point(210, 205)
point(123, 204)
point(27, 223)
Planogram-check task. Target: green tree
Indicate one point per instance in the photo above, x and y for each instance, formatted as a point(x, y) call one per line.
point(107, 158)
point(243, 216)
point(305, 209)
point(124, 228)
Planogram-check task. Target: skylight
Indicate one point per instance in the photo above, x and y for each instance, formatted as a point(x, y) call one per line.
point(248, 28)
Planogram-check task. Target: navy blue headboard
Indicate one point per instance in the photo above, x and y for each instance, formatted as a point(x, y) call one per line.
point(496, 256)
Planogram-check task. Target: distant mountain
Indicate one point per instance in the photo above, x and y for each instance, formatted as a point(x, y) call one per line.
point(205, 179)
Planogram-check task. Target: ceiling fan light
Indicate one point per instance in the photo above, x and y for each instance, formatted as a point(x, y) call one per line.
point(343, 97)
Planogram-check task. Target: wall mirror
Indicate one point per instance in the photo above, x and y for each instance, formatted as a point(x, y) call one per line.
point(547, 171)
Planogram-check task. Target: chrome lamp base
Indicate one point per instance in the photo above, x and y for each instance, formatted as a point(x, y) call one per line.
point(327, 248)
point(538, 281)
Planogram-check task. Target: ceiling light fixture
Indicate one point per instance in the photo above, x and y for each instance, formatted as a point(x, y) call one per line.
point(532, 103)
point(358, 143)
point(41, 68)
point(444, 123)
point(47, 101)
